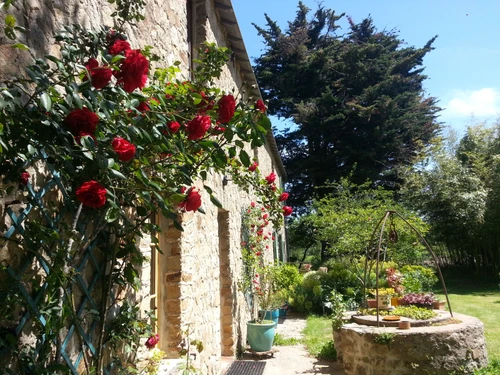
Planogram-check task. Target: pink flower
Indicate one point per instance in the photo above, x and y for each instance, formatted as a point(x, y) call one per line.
point(287, 211)
point(24, 178)
point(271, 178)
point(152, 341)
point(252, 204)
point(284, 196)
point(253, 167)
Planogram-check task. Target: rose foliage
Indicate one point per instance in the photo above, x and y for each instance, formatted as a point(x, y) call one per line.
point(126, 143)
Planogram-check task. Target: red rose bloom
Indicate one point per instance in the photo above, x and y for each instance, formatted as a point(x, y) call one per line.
point(81, 121)
point(143, 107)
point(92, 194)
point(133, 71)
point(284, 196)
point(287, 211)
point(206, 103)
point(253, 167)
point(24, 178)
point(152, 341)
point(119, 46)
point(271, 178)
point(173, 126)
point(192, 201)
point(123, 148)
point(260, 106)
point(197, 127)
point(227, 105)
point(99, 77)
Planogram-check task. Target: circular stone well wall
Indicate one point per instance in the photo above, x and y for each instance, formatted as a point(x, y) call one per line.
point(436, 350)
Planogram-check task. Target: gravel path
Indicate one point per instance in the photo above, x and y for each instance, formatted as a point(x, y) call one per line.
point(293, 360)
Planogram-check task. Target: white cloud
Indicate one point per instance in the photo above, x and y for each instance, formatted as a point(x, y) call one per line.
point(479, 103)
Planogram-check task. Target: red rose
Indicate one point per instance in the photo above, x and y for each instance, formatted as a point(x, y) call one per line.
point(253, 167)
point(260, 106)
point(206, 103)
point(287, 211)
point(152, 341)
point(284, 196)
point(173, 126)
point(192, 201)
point(118, 47)
point(92, 194)
point(197, 127)
point(271, 178)
point(81, 121)
point(123, 148)
point(227, 105)
point(143, 107)
point(99, 77)
point(133, 71)
point(24, 178)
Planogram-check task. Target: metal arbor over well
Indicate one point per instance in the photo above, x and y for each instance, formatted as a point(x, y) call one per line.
point(380, 228)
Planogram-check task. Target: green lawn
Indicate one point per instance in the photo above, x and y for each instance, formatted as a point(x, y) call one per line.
point(318, 337)
point(483, 302)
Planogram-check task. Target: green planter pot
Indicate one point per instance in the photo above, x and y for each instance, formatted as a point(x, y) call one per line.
point(260, 336)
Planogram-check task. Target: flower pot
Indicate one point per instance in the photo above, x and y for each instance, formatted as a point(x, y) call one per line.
point(372, 303)
point(384, 301)
point(273, 315)
point(395, 301)
point(404, 324)
point(438, 305)
point(282, 312)
point(260, 336)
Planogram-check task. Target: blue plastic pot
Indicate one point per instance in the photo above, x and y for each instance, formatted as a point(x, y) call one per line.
point(260, 336)
point(282, 312)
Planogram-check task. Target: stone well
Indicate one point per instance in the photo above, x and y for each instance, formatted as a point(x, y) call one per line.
point(429, 350)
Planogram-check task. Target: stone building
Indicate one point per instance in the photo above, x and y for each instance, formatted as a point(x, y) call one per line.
point(194, 282)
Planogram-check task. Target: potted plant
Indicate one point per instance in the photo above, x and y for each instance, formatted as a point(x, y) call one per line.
point(258, 279)
point(384, 297)
point(394, 280)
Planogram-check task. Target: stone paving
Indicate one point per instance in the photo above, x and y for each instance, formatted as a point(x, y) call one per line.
point(293, 360)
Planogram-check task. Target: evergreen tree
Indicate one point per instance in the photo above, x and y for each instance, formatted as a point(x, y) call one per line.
point(357, 100)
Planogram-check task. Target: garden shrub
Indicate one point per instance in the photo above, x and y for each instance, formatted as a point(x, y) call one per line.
point(418, 279)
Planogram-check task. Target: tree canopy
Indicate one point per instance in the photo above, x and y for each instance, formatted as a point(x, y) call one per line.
point(357, 100)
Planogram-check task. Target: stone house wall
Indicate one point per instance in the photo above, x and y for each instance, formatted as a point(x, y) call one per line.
point(195, 281)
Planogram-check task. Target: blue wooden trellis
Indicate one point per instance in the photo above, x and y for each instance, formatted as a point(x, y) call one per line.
point(88, 267)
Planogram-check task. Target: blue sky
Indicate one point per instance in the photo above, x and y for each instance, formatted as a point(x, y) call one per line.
point(463, 69)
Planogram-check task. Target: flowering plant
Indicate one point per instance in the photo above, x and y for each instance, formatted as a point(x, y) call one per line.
point(394, 279)
point(421, 300)
point(124, 143)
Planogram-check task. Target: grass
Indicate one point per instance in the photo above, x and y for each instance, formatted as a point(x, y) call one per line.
point(318, 336)
point(280, 340)
point(483, 302)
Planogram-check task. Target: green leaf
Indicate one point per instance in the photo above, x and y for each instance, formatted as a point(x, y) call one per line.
point(20, 46)
point(245, 159)
point(117, 174)
point(208, 189)
point(141, 211)
point(77, 100)
point(197, 98)
point(10, 21)
point(215, 201)
point(46, 101)
point(112, 214)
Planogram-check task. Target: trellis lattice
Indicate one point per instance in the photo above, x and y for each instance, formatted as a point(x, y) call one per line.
point(76, 341)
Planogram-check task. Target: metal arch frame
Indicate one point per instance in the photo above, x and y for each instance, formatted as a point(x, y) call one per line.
point(381, 224)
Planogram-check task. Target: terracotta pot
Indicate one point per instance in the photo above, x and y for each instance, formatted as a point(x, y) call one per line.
point(438, 305)
point(372, 303)
point(404, 324)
